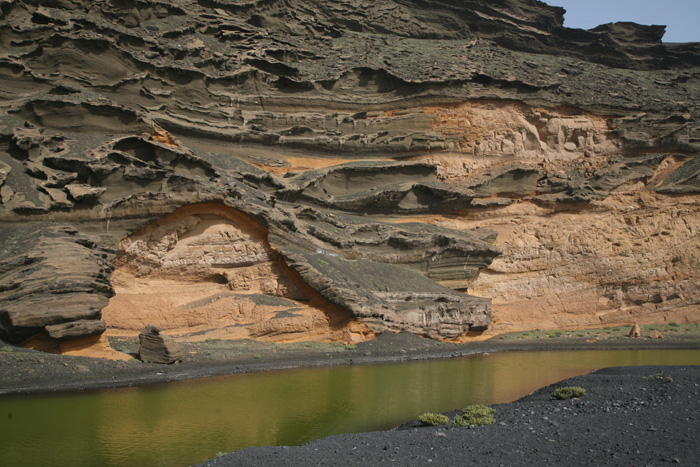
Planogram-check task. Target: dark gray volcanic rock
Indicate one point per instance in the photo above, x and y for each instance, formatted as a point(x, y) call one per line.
point(239, 72)
point(78, 328)
point(376, 188)
point(438, 253)
point(387, 297)
point(299, 114)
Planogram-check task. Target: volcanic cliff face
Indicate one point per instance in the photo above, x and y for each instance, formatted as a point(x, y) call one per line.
point(323, 170)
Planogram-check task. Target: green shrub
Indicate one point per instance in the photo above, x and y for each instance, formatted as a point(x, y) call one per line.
point(675, 325)
point(6, 349)
point(258, 356)
point(568, 393)
point(476, 415)
point(433, 419)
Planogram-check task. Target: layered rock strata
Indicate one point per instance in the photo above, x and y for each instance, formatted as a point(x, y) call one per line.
point(53, 279)
point(328, 170)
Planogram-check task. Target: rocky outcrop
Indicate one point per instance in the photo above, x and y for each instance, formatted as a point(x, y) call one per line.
point(53, 280)
point(389, 298)
point(328, 170)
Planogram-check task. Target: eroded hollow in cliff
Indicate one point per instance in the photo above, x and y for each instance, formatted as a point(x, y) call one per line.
point(208, 271)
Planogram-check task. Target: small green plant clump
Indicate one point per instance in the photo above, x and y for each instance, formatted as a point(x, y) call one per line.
point(659, 377)
point(6, 349)
point(568, 393)
point(433, 419)
point(476, 415)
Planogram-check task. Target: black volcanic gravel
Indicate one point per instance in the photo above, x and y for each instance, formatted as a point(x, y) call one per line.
point(631, 416)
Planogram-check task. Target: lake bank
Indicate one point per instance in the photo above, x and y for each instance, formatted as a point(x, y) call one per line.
point(630, 416)
point(184, 423)
point(29, 372)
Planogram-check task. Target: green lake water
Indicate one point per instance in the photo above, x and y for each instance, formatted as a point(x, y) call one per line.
point(187, 422)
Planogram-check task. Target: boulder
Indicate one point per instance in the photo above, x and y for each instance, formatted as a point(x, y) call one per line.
point(656, 335)
point(635, 331)
point(155, 348)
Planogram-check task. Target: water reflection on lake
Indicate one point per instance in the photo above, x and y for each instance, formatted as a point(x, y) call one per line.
point(188, 422)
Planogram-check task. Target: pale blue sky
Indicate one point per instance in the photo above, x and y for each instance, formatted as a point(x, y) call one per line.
point(681, 17)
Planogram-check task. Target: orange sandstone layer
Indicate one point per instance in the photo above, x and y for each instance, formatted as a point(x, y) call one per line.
point(631, 258)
